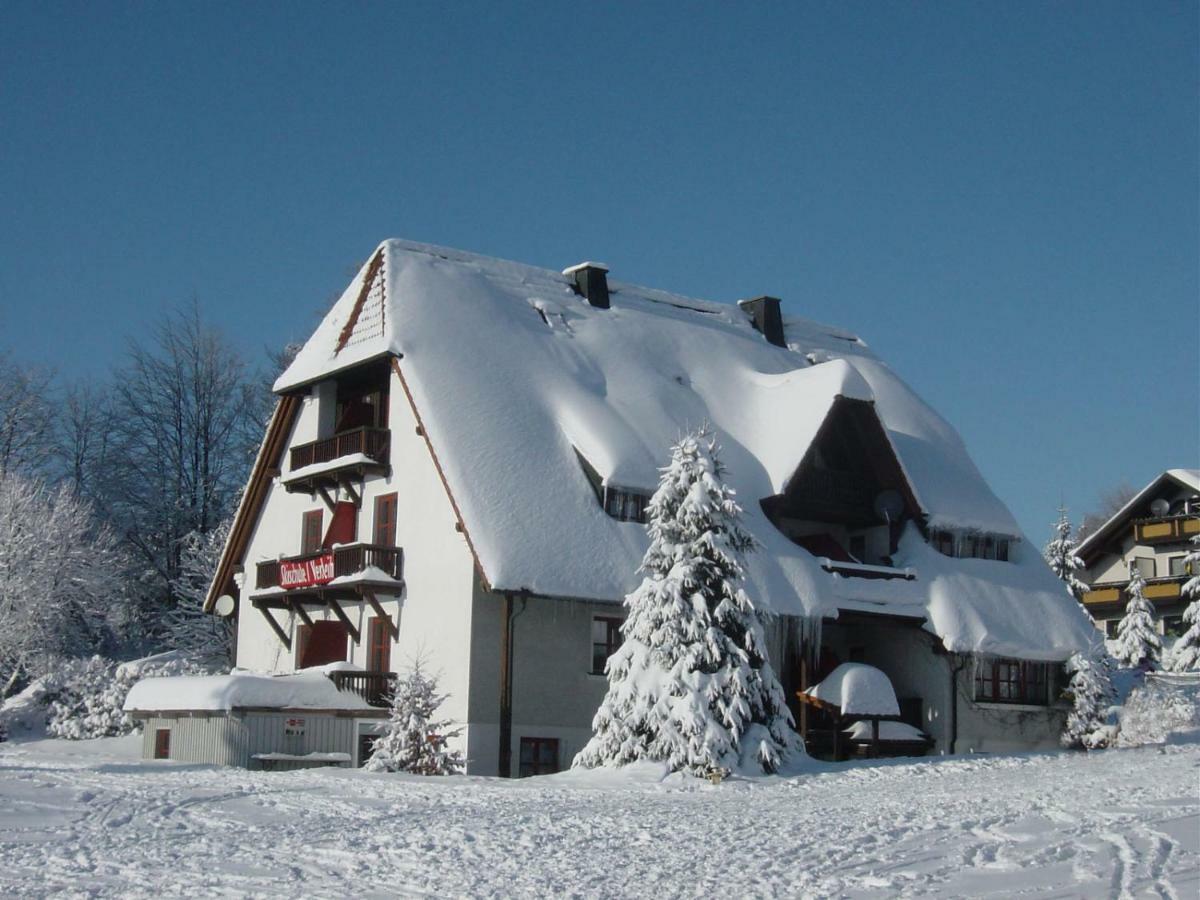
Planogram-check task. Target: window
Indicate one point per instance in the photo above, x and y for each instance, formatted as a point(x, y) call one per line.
point(385, 520)
point(366, 746)
point(321, 643)
point(971, 545)
point(162, 743)
point(379, 649)
point(1110, 628)
point(539, 756)
point(1011, 681)
point(1173, 626)
point(1176, 566)
point(1145, 565)
point(310, 535)
point(626, 505)
point(606, 638)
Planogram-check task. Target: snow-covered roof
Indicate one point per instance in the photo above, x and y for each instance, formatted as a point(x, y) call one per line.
point(857, 689)
point(240, 690)
point(514, 374)
point(1188, 478)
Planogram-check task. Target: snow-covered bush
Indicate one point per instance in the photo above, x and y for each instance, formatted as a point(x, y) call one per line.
point(1060, 555)
point(1092, 695)
point(86, 696)
point(1137, 643)
point(1161, 708)
point(691, 685)
point(413, 740)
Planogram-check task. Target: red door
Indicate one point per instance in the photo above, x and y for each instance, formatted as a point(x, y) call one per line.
point(326, 643)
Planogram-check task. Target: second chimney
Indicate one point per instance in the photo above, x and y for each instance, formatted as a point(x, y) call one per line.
point(765, 316)
point(590, 280)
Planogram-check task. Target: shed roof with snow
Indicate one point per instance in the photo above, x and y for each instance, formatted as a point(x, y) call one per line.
point(517, 377)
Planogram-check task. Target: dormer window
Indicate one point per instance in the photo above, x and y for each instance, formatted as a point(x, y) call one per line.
point(970, 545)
point(626, 504)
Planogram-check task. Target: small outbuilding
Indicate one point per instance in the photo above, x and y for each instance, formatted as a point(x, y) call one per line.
point(256, 721)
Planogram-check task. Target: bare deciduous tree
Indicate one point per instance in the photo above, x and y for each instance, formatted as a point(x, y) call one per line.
point(25, 417)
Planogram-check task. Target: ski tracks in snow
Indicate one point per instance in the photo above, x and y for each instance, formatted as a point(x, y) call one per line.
point(1116, 824)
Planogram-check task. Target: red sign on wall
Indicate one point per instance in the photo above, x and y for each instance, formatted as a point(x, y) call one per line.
point(302, 573)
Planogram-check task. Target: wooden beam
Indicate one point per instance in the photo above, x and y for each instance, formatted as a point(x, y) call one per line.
point(345, 619)
point(284, 637)
point(348, 485)
point(329, 501)
point(298, 608)
point(505, 749)
point(379, 611)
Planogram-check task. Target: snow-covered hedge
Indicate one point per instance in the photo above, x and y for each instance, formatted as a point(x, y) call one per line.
point(1162, 708)
point(83, 698)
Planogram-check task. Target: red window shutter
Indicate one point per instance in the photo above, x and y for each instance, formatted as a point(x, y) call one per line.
point(344, 527)
point(385, 520)
point(380, 657)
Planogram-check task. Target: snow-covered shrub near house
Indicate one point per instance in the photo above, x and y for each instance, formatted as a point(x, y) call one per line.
point(1185, 655)
point(1137, 643)
point(1163, 707)
point(413, 740)
point(691, 685)
point(1092, 695)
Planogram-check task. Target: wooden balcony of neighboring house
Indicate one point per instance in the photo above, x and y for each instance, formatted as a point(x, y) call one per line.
point(1167, 589)
point(1166, 529)
point(327, 578)
point(860, 570)
point(330, 461)
point(374, 687)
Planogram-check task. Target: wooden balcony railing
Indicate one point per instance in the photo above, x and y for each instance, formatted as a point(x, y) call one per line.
point(371, 442)
point(1163, 590)
point(374, 687)
point(348, 559)
point(1166, 529)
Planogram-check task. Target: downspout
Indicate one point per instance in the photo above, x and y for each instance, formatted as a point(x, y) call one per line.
point(507, 631)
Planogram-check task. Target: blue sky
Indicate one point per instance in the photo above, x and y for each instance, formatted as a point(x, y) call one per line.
point(1002, 199)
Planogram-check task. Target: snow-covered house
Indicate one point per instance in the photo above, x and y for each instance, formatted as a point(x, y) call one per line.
point(458, 467)
point(1152, 532)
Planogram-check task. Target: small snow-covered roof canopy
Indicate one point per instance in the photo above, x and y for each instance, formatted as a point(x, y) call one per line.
point(518, 381)
point(856, 689)
point(1189, 479)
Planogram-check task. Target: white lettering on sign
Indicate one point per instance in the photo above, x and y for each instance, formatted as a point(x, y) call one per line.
point(297, 573)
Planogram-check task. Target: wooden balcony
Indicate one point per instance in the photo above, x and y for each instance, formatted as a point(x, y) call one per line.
point(1166, 530)
point(1157, 590)
point(374, 687)
point(329, 460)
point(346, 560)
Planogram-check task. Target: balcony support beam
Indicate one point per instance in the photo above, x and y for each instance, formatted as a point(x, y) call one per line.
point(298, 608)
point(348, 487)
point(343, 618)
point(393, 628)
point(284, 637)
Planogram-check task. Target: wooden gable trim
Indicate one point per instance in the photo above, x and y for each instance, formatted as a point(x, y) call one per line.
point(266, 465)
point(369, 279)
point(437, 464)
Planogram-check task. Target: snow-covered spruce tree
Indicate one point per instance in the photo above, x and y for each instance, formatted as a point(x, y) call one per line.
point(691, 685)
point(1060, 555)
point(413, 740)
point(1185, 655)
point(1137, 643)
point(1091, 693)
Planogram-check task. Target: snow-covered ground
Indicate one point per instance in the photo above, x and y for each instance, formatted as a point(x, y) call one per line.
point(89, 818)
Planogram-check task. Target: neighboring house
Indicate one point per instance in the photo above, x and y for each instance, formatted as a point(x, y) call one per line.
point(1153, 532)
point(458, 470)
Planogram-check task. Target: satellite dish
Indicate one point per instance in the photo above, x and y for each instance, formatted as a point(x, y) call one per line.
point(1160, 507)
point(225, 606)
point(889, 505)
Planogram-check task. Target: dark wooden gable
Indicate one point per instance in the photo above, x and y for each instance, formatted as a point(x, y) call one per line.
point(849, 464)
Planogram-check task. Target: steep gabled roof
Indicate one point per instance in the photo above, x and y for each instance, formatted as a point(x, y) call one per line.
point(1188, 479)
point(515, 377)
